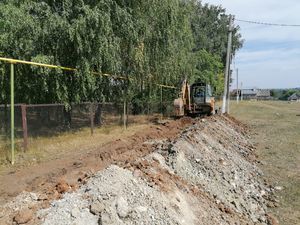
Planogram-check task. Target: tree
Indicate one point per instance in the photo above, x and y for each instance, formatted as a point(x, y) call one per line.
point(149, 42)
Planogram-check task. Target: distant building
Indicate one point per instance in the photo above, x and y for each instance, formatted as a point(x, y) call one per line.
point(253, 94)
point(249, 93)
point(263, 94)
point(294, 97)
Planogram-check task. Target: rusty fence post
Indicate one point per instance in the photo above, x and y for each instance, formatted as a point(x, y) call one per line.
point(92, 118)
point(24, 125)
point(161, 103)
point(124, 114)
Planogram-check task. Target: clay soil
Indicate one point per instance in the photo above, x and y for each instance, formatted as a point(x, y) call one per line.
point(72, 168)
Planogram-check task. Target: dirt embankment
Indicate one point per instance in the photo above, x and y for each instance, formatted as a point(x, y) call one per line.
point(206, 174)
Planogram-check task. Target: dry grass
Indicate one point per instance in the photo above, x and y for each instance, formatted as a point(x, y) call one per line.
point(276, 131)
point(47, 148)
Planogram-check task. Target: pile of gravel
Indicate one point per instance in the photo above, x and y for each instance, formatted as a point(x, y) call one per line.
point(206, 176)
point(115, 196)
point(214, 155)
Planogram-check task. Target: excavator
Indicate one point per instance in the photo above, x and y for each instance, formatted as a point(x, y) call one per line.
point(194, 100)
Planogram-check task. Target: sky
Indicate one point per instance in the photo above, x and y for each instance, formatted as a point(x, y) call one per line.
point(270, 57)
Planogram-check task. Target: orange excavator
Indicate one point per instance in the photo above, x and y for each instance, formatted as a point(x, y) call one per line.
point(195, 99)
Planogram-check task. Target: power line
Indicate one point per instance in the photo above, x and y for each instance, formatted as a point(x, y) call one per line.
point(269, 24)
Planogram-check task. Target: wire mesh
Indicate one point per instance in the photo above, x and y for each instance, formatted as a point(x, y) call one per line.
point(50, 120)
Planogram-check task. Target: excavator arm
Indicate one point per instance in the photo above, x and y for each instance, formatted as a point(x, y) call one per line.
point(182, 105)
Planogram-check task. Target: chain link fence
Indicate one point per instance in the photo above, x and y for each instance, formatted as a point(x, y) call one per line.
point(50, 120)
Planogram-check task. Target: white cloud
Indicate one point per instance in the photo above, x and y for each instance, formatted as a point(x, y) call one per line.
point(271, 55)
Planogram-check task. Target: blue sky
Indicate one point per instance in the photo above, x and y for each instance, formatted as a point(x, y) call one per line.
point(270, 57)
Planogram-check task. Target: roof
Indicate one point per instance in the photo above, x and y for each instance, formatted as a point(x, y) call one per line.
point(263, 93)
point(249, 91)
point(294, 96)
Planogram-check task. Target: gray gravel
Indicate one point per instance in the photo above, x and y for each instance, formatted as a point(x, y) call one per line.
point(116, 197)
point(212, 155)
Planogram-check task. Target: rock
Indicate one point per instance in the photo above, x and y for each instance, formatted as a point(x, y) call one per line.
point(223, 162)
point(62, 187)
point(272, 204)
point(278, 188)
point(228, 210)
point(23, 216)
point(42, 197)
point(97, 208)
point(271, 219)
point(56, 195)
point(263, 193)
point(122, 207)
point(75, 213)
point(141, 209)
point(198, 160)
point(137, 173)
point(105, 219)
point(2, 213)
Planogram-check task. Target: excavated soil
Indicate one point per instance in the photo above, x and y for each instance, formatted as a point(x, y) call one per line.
point(185, 172)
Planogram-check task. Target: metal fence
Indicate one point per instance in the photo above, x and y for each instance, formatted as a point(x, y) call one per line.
point(66, 117)
point(50, 120)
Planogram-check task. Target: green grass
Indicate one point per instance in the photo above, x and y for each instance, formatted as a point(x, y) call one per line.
point(276, 132)
point(48, 148)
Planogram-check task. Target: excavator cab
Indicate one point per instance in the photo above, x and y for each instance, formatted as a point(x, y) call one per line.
point(201, 99)
point(194, 100)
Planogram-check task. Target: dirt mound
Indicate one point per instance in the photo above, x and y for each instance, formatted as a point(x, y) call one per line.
point(216, 156)
point(207, 174)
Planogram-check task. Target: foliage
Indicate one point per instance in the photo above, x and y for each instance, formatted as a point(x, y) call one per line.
point(149, 41)
point(283, 94)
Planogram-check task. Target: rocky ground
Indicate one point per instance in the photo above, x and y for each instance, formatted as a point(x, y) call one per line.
point(208, 174)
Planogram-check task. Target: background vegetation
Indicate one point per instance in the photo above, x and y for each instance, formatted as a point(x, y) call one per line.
point(284, 94)
point(149, 41)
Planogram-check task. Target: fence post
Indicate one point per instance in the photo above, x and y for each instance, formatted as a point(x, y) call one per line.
point(97, 116)
point(92, 118)
point(124, 114)
point(161, 102)
point(24, 125)
point(12, 113)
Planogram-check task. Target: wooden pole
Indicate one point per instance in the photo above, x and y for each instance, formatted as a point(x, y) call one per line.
point(125, 89)
point(24, 125)
point(92, 118)
point(12, 114)
point(161, 102)
point(124, 114)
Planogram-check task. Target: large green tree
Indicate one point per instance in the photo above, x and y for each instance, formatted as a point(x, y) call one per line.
point(149, 42)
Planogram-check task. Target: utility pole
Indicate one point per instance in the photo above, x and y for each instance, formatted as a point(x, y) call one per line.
point(241, 91)
point(227, 69)
point(237, 86)
point(228, 88)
